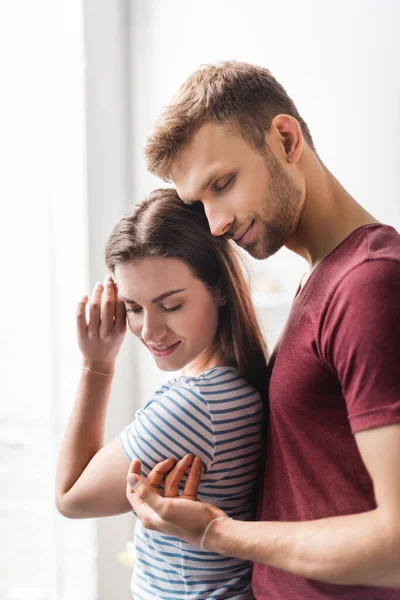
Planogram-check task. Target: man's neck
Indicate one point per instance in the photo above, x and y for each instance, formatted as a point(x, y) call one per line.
point(328, 216)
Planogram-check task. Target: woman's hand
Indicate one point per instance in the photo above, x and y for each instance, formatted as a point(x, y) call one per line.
point(183, 516)
point(101, 338)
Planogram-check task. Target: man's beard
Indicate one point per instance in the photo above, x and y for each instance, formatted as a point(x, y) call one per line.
point(280, 206)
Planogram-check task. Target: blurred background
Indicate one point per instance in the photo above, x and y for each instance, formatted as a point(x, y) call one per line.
point(82, 83)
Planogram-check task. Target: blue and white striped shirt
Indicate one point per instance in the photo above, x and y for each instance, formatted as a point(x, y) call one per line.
point(217, 416)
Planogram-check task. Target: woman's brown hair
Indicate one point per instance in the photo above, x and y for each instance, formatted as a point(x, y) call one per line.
point(162, 226)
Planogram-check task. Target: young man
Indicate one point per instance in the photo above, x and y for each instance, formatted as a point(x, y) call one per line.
point(329, 503)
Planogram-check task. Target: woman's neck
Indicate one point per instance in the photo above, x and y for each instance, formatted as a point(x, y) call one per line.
point(204, 361)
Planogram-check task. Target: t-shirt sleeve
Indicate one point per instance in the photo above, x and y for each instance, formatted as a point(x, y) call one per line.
point(360, 341)
point(172, 424)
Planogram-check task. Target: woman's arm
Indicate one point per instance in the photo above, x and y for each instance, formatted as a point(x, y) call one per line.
point(91, 479)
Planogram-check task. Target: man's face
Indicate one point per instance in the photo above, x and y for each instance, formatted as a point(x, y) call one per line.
point(246, 195)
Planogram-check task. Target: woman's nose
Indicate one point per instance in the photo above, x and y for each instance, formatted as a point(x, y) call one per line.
point(153, 328)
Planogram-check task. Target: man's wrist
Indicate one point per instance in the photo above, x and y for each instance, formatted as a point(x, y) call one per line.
point(219, 536)
point(207, 529)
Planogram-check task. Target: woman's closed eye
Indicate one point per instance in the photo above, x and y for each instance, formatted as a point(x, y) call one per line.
point(172, 308)
point(137, 309)
point(133, 309)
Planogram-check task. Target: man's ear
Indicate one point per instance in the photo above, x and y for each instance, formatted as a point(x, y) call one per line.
point(285, 132)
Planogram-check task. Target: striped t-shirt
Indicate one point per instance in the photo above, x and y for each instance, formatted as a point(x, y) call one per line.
point(217, 416)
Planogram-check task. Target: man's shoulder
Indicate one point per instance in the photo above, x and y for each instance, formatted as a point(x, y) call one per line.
point(368, 249)
point(370, 262)
point(367, 244)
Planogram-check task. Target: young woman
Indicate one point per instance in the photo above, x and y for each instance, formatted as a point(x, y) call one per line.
point(183, 294)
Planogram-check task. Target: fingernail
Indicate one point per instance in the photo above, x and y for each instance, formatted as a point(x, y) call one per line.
point(133, 482)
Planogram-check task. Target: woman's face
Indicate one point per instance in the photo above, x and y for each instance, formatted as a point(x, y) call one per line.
point(171, 311)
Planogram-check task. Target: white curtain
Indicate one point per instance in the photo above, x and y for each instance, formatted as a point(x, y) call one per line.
point(44, 272)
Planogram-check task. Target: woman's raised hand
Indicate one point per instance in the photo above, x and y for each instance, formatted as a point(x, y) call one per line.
point(101, 337)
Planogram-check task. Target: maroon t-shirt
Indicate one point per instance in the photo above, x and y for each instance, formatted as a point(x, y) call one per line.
point(336, 371)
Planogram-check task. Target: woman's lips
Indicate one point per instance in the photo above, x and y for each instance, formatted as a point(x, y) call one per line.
point(165, 352)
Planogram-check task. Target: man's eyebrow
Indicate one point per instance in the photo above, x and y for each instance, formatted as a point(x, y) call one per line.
point(157, 299)
point(213, 175)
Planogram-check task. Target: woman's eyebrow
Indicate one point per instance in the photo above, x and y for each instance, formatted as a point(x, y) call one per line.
point(156, 299)
point(127, 300)
point(166, 294)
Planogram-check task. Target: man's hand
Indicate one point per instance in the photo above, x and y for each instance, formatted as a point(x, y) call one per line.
point(182, 516)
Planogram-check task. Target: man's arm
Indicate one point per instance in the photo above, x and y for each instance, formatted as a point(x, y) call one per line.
point(361, 549)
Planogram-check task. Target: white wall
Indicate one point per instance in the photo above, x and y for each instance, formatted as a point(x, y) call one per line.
point(43, 246)
point(339, 61)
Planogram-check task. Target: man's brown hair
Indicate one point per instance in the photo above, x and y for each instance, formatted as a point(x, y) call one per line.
point(237, 94)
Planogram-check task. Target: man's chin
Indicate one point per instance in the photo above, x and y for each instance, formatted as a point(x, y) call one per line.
point(260, 253)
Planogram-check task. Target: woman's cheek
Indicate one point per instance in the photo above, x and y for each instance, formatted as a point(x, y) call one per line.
point(134, 325)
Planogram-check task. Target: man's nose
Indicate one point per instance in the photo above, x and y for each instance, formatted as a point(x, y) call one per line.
point(218, 221)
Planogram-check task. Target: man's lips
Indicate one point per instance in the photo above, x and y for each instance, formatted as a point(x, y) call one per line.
point(241, 237)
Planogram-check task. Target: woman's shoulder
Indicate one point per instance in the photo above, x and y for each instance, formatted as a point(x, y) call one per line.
point(198, 388)
point(209, 379)
point(215, 385)
point(219, 382)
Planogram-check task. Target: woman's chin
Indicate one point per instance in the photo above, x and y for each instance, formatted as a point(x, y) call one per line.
point(168, 366)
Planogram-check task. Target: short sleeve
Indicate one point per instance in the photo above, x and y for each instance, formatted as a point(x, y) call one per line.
point(172, 424)
point(360, 341)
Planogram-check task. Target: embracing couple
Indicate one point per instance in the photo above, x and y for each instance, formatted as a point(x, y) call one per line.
point(251, 477)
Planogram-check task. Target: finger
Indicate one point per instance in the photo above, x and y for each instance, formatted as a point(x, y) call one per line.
point(135, 467)
point(157, 474)
point(174, 478)
point(108, 304)
point(194, 477)
point(95, 308)
point(120, 311)
point(147, 515)
point(180, 517)
point(143, 493)
point(81, 322)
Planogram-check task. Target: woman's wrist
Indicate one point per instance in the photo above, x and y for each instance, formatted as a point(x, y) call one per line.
point(98, 367)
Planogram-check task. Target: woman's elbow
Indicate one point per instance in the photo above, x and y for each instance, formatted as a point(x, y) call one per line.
point(66, 508)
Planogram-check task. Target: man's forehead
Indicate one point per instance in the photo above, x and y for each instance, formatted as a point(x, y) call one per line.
point(204, 147)
point(207, 156)
point(194, 180)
